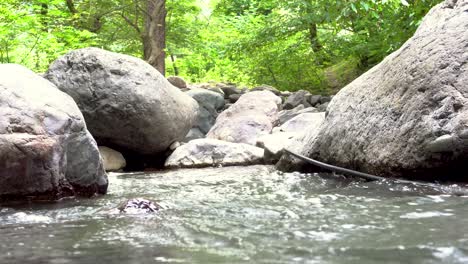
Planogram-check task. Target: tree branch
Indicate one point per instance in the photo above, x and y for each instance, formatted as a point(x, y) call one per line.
point(71, 6)
point(131, 23)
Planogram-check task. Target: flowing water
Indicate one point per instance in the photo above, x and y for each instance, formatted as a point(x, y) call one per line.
point(242, 215)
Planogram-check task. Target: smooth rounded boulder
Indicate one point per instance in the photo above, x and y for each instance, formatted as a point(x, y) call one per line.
point(208, 152)
point(253, 115)
point(407, 116)
point(46, 152)
point(128, 105)
point(112, 159)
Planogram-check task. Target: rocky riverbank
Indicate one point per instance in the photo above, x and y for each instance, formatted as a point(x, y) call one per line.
point(53, 124)
point(406, 117)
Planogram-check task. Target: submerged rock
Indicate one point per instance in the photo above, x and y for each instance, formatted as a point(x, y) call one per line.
point(45, 149)
point(127, 104)
point(211, 152)
point(253, 115)
point(407, 116)
point(139, 206)
point(112, 159)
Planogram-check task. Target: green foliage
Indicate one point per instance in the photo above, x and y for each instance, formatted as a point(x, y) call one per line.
point(34, 33)
point(297, 44)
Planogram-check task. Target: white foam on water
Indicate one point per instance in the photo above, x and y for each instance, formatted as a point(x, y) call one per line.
point(323, 236)
point(417, 215)
point(437, 198)
point(22, 217)
point(444, 252)
point(170, 260)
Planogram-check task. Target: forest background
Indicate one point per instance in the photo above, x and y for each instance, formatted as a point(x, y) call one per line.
point(316, 45)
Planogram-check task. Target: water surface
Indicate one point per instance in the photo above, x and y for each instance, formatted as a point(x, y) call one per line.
point(242, 215)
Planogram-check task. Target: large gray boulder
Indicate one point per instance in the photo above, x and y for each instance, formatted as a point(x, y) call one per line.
point(210, 103)
point(207, 152)
point(45, 149)
point(128, 105)
point(408, 116)
point(253, 115)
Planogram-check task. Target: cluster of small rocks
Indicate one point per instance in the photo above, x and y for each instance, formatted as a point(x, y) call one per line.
point(290, 100)
point(240, 126)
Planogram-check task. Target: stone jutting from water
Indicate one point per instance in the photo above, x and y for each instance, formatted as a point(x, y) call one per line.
point(45, 148)
point(253, 115)
point(208, 152)
point(407, 116)
point(139, 206)
point(128, 105)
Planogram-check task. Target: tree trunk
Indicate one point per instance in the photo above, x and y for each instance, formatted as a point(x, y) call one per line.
point(154, 36)
point(174, 66)
point(314, 42)
point(43, 18)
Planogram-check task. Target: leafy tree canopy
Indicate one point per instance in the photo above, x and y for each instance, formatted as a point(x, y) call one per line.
point(294, 44)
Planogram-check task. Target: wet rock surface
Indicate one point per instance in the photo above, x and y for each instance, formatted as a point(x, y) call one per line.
point(139, 206)
point(45, 149)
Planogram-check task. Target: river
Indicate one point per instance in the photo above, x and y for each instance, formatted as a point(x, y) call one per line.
point(242, 215)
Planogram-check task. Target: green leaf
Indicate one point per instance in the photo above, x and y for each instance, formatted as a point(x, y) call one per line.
point(354, 8)
point(365, 5)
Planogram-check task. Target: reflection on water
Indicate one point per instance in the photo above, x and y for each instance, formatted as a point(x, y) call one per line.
point(242, 215)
